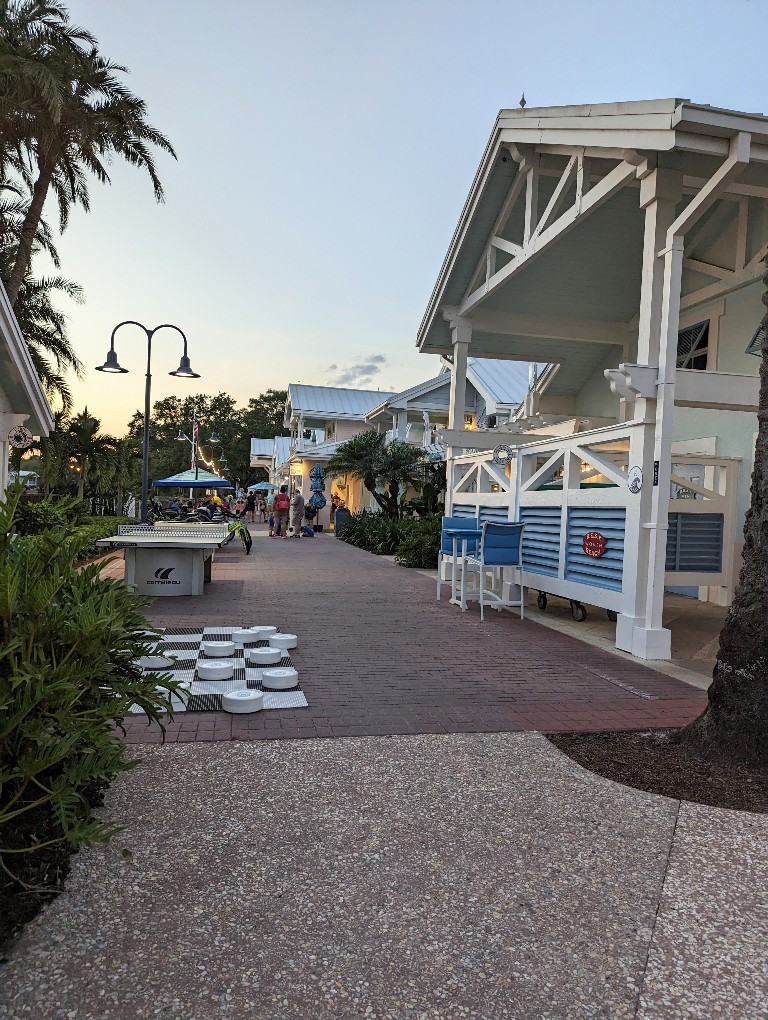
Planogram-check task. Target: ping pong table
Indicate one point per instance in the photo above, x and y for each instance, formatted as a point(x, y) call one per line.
point(167, 561)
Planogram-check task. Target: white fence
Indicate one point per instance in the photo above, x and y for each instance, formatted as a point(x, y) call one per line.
point(569, 487)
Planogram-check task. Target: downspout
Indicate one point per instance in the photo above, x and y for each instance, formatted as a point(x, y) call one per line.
point(737, 160)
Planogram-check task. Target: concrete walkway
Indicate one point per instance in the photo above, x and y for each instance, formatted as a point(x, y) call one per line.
point(439, 876)
point(441, 864)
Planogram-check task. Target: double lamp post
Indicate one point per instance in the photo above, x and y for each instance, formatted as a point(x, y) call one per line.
point(183, 371)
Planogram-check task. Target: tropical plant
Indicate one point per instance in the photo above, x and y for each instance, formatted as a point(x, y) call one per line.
point(86, 118)
point(369, 457)
point(734, 725)
point(93, 454)
point(69, 641)
point(414, 541)
point(44, 328)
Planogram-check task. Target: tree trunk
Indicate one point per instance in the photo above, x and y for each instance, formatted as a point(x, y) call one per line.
point(29, 229)
point(734, 726)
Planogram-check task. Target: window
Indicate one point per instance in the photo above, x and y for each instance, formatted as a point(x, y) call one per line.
point(330, 432)
point(693, 346)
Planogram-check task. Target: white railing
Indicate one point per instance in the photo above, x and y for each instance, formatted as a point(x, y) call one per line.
point(566, 487)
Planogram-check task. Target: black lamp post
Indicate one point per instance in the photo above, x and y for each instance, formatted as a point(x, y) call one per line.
point(184, 371)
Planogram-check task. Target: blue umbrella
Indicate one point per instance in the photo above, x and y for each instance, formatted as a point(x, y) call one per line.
point(262, 487)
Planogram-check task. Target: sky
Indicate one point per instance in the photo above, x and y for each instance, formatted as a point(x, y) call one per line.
point(325, 151)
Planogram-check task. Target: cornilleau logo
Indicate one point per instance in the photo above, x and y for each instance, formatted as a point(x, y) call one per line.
point(163, 576)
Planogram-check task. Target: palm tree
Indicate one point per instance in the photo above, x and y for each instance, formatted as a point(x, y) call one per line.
point(734, 726)
point(45, 330)
point(54, 454)
point(97, 119)
point(29, 31)
point(370, 458)
point(92, 452)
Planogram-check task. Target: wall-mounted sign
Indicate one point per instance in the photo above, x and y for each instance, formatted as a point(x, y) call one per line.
point(635, 479)
point(503, 454)
point(594, 544)
point(20, 438)
point(655, 472)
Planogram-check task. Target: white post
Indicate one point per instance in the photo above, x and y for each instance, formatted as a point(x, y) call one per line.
point(660, 192)
point(461, 335)
point(400, 426)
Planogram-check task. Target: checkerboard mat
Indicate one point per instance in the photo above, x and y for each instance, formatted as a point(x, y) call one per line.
point(205, 695)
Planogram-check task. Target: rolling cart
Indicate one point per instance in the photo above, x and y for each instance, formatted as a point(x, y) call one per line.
point(578, 612)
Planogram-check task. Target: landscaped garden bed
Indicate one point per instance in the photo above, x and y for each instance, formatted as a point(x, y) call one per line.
point(651, 760)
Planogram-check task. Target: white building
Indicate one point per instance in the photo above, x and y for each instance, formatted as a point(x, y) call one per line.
point(622, 244)
point(22, 398)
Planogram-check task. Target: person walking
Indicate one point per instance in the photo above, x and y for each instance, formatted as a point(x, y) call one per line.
point(250, 508)
point(297, 513)
point(280, 508)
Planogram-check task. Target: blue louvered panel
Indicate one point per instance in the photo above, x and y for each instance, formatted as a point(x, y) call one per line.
point(695, 543)
point(541, 540)
point(605, 571)
point(464, 510)
point(494, 514)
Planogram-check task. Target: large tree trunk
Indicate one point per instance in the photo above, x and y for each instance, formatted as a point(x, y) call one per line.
point(29, 229)
point(734, 726)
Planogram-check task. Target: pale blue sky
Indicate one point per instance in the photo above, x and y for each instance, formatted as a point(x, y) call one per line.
point(325, 152)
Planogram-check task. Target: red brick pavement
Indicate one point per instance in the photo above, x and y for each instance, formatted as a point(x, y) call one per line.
point(379, 655)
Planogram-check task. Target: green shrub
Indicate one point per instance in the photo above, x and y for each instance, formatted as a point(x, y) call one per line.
point(96, 528)
point(68, 644)
point(415, 541)
point(34, 518)
point(420, 545)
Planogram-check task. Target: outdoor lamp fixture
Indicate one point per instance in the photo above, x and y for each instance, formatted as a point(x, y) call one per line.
point(184, 371)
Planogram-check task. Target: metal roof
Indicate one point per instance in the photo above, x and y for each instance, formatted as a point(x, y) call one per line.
point(262, 447)
point(331, 402)
point(504, 382)
point(282, 447)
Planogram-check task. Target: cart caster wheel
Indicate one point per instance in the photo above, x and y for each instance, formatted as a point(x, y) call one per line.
point(541, 601)
point(578, 612)
point(612, 615)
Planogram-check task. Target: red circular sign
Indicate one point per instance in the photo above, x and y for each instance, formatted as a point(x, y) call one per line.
point(594, 544)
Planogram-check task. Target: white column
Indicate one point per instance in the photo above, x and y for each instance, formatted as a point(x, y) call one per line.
point(461, 335)
point(401, 426)
point(637, 630)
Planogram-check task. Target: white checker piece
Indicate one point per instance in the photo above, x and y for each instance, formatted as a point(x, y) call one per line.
point(205, 695)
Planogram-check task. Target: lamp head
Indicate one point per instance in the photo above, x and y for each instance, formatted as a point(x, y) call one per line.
point(182, 437)
point(184, 370)
point(111, 364)
point(214, 438)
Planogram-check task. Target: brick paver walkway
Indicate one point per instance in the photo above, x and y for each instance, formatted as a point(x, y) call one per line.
point(378, 655)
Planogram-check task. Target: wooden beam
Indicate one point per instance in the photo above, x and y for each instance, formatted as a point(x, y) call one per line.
point(531, 199)
point(557, 195)
point(751, 272)
point(707, 268)
point(550, 327)
point(508, 246)
point(741, 234)
point(607, 187)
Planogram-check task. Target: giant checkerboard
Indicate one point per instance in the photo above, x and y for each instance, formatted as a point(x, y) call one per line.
point(205, 695)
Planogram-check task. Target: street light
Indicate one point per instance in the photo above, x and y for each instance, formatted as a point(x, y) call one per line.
point(184, 371)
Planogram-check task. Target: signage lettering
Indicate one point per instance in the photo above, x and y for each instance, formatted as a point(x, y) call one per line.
point(593, 544)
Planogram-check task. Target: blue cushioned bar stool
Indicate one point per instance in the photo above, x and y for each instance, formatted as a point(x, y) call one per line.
point(455, 530)
point(501, 546)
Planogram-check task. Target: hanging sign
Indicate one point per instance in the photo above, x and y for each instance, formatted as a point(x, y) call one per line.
point(503, 454)
point(635, 480)
point(593, 544)
point(20, 438)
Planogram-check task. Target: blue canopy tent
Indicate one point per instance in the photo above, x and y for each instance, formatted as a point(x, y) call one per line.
point(187, 480)
point(261, 487)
